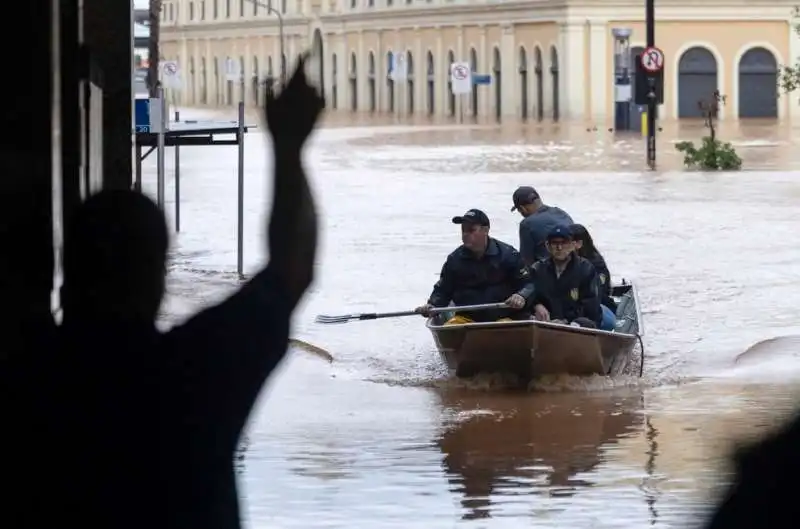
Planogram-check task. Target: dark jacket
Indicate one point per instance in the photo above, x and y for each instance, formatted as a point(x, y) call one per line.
point(492, 278)
point(603, 281)
point(533, 231)
point(571, 296)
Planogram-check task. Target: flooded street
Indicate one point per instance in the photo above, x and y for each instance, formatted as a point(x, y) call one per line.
point(381, 438)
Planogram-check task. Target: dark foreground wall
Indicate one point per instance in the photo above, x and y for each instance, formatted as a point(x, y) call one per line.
point(45, 156)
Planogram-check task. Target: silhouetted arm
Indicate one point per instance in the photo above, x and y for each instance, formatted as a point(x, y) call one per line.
point(224, 354)
point(228, 351)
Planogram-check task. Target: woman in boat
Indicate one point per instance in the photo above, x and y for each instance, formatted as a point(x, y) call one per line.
point(584, 246)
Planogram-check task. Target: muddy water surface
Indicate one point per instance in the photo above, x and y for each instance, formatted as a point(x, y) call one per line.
point(381, 438)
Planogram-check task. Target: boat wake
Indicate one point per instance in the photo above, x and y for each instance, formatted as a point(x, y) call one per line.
point(490, 382)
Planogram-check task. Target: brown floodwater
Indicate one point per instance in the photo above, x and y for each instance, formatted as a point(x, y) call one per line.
point(382, 438)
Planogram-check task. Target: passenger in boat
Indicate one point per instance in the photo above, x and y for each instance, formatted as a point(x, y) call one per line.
point(565, 284)
point(538, 220)
point(482, 270)
point(584, 246)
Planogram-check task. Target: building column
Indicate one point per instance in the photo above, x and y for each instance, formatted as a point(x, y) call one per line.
point(794, 57)
point(484, 67)
point(441, 74)
point(572, 71)
point(599, 69)
point(420, 75)
point(510, 88)
point(361, 79)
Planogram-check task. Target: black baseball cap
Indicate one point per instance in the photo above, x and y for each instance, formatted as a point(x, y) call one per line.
point(473, 216)
point(524, 195)
point(560, 232)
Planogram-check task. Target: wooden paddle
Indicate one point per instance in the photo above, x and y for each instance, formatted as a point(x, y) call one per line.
point(313, 349)
point(346, 318)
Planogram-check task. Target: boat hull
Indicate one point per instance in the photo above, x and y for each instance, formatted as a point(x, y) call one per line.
point(531, 348)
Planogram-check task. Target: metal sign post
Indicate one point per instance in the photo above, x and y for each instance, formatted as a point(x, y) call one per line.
point(461, 84)
point(652, 61)
point(160, 154)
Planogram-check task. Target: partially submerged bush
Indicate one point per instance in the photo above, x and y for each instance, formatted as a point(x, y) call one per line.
point(712, 154)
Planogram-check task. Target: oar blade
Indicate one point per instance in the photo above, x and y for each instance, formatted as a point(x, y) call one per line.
point(332, 320)
point(313, 349)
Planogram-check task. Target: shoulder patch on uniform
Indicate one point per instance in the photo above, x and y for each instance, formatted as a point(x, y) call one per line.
point(574, 294)
point(602, 279)
point(524, 272)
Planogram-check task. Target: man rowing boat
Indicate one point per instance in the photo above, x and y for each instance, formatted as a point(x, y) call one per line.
point(482, 270)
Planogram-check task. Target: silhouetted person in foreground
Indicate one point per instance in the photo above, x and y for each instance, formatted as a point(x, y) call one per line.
point(764, 492)
point(148, 422)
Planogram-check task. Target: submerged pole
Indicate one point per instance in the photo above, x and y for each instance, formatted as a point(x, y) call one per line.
point(162, 130)
point(652, 104)
point(240, 196)
point(177, 179)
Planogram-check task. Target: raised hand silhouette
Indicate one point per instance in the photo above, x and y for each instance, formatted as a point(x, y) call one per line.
point(148, 422)
point(291, 117)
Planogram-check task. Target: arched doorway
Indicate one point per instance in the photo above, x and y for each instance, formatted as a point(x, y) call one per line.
point(473, 96)
point(318, 56)
point(539, 71)
point(410, 81)
point(758, 84)
point(451, 97)
point(353, 82)
point(498, 86)
point(255, 82)
point(431, 84)
point(371, 81)
point(523, 83)
point(556, 88)
point(389, 83)
point(334, 82)
point(697, 81)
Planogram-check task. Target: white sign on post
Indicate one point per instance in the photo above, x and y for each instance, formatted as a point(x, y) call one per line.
point(461, 78)
point(232, 72)
point(171, 75)
point(399, 68)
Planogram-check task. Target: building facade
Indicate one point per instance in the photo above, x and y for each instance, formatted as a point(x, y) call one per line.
point(549, 59)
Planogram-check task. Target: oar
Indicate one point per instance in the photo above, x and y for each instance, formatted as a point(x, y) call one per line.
point(345, 318)
point(313, 349)
point(770, 345)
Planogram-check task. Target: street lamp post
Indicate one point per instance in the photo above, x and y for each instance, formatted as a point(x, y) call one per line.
point(278, 14)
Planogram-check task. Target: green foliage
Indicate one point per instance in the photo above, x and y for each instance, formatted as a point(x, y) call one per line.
point(789, 76)
point(712, 155)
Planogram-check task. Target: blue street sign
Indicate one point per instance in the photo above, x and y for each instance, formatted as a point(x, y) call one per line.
point(142, 115)
point(481, 78)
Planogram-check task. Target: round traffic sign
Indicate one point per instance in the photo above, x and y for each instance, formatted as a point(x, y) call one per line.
point(460, 72)
point(652, 59)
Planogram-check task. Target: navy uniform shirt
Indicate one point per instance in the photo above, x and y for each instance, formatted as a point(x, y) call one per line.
point(533, 231)
point(492, 278)
point(574, 294)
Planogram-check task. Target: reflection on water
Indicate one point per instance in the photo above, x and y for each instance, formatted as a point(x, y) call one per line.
point(501, 445)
